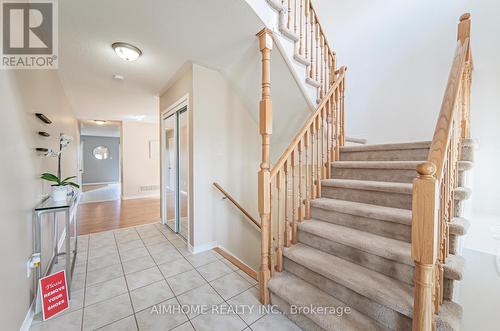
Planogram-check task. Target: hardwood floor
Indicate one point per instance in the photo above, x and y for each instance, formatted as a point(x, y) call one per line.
point(108, 215)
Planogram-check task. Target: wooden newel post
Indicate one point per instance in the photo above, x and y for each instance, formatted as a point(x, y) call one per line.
point(462, 35)
point(265, 129)
point(424, 246)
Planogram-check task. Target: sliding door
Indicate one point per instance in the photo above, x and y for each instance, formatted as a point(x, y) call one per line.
point(176, 174)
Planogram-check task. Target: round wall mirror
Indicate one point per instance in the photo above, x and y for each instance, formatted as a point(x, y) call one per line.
point(101, 152)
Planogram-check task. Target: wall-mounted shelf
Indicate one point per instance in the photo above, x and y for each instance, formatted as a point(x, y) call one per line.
point(44, 134)
point(44, 150)
point(43, 118)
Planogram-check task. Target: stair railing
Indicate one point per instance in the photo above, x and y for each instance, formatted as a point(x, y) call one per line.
point(310, 154)
point(311, 45)
point(433, 190)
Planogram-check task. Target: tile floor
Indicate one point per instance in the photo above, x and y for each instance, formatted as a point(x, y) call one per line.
point(138, 278)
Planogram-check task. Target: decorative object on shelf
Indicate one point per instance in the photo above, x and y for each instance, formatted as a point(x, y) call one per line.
point(60, 188)
point(44, 134)
point(43, 118)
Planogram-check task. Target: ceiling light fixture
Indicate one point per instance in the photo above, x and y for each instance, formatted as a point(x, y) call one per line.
point(99, 122)
point(126, 51)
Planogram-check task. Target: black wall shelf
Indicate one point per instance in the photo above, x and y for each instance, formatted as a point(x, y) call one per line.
point(43, 118)
point(39, 149)
point(44, 134)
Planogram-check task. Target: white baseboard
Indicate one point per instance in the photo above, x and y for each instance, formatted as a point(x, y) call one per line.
point(100, 183)
point(132, 197)
point(94, 201)
point(202, 248)
point(236, 258)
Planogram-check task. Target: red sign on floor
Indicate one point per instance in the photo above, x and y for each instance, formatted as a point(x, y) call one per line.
point(54, 292)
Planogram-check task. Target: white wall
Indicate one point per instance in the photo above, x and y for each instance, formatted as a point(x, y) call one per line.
point(224, 144)
point(100, 171)
point(398, 55)
point(138, 169)
point(22, 93)
point(226, 148)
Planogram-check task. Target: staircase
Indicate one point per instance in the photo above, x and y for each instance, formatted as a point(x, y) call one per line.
point(361, 237)
point(355, 250)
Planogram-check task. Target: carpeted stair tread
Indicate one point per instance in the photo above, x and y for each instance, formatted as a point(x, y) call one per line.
point(465, 165)
point(459, 226)
point(450, 316)
point(462, 193)
point(298, 292)
point(454, 267)
point(368, 185)
point(371, 284)
point(389, 214)
point(388, 248)
point(402, 165)
point(386, 147)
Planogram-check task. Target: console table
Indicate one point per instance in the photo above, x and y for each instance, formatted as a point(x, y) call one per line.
point(49, 206)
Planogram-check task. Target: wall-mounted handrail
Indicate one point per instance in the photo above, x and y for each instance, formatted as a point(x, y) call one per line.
point(236, 204)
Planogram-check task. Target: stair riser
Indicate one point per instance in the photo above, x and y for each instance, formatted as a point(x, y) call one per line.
point(390, 268)
point(301, 320)
point(448, 289)
point(381, 175)
point(390, 155)
point(458, 210)
point(454, 239)
point(384, 315)
point(387, 199)
point(467, 153)
point(382, 228)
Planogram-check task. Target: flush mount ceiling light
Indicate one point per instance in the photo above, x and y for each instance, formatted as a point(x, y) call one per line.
point(126, 51)
point(99, 122)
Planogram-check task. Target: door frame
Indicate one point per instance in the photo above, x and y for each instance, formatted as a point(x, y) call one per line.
point(178, 105)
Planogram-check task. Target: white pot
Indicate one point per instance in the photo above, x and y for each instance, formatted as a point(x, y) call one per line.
point(59, 193)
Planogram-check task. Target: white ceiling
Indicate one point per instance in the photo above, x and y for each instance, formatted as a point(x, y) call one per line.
point(219, 34)
point(169, 32)
point(108, 129)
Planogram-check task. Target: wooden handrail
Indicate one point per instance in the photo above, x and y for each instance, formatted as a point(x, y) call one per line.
point(228, 196)
point(321, 28)
point(298, 137)
point(433, 191)
point(442, 132)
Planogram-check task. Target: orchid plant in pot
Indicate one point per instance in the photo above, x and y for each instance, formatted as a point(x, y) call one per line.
point(60, 188)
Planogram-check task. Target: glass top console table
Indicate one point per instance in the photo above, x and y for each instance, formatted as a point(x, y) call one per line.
point(49, 206)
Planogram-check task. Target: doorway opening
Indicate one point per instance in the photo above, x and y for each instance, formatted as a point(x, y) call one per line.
point(100, 160)
point(175, 169)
